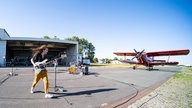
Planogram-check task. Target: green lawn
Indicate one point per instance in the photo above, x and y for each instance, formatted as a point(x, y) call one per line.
point(184, 80)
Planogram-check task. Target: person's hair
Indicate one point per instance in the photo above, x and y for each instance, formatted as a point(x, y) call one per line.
point(38, 49)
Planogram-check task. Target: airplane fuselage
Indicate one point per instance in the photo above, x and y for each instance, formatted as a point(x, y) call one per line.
point(144, 59)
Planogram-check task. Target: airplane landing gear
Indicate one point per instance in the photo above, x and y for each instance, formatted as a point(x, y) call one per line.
point(134, 67)
point(150, 68)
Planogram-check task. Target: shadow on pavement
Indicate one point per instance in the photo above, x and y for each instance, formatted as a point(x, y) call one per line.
point(87, 92)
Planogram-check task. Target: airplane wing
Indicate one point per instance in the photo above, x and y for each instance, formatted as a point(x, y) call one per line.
point(125, 53)
point(168, 53)
point(164, 63)
point(129, 61)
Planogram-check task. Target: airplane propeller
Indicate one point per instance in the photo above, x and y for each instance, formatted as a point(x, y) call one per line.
point(138, 54)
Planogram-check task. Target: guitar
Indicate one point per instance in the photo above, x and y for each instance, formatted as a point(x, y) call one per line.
point(44, 62)
point(41, 65)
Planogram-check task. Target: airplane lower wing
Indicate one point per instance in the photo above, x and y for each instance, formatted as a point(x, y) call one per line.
point(163, 63)
point(129, 61)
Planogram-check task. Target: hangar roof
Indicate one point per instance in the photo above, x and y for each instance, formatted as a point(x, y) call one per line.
point(39, 39)
point(7, 37)
point(24, 43)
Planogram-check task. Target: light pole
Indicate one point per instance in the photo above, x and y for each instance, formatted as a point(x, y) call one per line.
point(62, 56)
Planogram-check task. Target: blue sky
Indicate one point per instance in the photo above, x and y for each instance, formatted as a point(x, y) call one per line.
point(110, 25)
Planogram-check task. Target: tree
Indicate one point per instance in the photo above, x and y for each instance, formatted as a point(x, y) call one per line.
point(103, 60)
point(85, 47)
point(95, 60)
point(46, 37)
point(115, 58)
point(106, 60)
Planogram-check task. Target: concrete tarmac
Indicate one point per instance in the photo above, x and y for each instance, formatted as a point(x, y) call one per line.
point(102, 87)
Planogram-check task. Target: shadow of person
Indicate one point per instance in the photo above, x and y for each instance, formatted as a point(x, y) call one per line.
point(86, 92)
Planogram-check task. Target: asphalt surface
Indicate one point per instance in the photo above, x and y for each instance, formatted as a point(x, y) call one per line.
point(102, 87)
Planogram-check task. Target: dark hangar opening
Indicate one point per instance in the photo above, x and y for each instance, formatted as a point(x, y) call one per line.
point(20, 51)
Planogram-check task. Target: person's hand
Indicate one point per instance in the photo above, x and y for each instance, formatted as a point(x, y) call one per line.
point(35, 66)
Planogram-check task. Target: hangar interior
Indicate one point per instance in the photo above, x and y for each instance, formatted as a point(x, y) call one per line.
point(17, 51)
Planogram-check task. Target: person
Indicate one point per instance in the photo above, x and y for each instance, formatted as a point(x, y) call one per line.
point(39, 55)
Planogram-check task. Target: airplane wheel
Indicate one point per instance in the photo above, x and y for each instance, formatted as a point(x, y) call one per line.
point(133, 67)
point(150, 68)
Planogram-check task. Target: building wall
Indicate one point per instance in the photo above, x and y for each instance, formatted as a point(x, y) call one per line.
point(72, 54)
point(2, 52)
point(3, 36)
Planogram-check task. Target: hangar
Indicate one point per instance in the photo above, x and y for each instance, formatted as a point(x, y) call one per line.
point(19, 49)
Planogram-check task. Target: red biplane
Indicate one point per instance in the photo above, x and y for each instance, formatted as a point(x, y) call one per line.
point(147, 58)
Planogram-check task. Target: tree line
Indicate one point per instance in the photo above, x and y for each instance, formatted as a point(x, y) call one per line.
point(86, 48)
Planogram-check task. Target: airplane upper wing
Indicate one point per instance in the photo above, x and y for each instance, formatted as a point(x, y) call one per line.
point(169, 53)
point(125, 53)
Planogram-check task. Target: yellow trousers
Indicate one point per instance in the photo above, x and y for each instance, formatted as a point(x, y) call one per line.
point(38, 76)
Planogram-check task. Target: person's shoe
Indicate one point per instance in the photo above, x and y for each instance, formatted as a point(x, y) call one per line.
point(48, 95)
point(32, 91)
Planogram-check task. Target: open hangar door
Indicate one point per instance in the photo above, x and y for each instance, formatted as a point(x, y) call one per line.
point(18, 53)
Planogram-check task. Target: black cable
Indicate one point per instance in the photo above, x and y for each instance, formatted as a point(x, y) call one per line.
point(137, 91)
point(137, 94)
point(12, 73)
point(131, 85)
point(4, 79)
point(70, 103)
point(148, 100)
